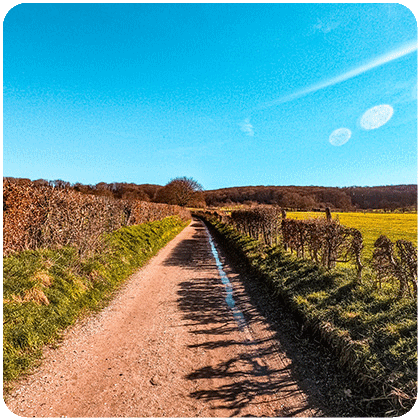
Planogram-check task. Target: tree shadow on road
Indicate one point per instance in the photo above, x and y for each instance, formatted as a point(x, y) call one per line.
point(192, 253)
point(239, 378)
point(242, 379)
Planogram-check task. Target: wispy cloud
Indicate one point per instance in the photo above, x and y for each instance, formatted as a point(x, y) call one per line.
point(326, 26)
point(247, 127)
point(379, 61)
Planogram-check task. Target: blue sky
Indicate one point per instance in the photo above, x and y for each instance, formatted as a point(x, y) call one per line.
point(229, 94)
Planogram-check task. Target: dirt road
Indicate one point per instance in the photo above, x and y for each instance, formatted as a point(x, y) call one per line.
point(181, 339)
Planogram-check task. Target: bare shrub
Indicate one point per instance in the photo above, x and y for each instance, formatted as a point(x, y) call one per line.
point(325, 241)
point(260, 222)
point(399, 262)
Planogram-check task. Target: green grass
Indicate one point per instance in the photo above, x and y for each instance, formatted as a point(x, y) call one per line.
point(45, 291)
point(372, 333)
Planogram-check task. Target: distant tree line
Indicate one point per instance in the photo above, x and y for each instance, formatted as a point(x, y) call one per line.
point(188, 192)
point(180, 191)
point(388, 198)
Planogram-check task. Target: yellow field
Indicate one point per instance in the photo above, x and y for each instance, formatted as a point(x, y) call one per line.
point(372, 225)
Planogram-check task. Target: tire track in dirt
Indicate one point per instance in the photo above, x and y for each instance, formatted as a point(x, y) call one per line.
point(169, 346)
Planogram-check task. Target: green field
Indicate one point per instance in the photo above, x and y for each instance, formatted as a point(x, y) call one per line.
point(372, 225)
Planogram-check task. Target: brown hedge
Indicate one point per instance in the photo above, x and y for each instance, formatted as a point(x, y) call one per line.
point(326, 242)
point(46, 217)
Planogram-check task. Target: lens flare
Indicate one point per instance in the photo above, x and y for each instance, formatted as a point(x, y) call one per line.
point(340, 136)
point(376, 117)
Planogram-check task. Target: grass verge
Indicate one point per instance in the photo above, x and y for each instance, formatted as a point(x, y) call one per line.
point(45, 291)
point(372, 333)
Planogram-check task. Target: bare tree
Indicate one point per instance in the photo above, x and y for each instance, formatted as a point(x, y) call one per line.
point(181, 191)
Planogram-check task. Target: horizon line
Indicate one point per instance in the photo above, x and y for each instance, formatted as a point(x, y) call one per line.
point(219, 188)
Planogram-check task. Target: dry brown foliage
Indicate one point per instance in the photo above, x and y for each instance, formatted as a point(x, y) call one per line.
point(259, 222)
point(327, 242)
point(324, 241)
point(399, 262)
point(46, 217)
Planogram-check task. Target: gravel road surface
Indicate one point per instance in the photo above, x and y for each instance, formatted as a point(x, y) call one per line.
point(182, 338)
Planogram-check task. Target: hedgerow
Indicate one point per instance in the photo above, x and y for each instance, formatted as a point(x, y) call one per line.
point(45, 217)
point(371, 328)
point(326, 242)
